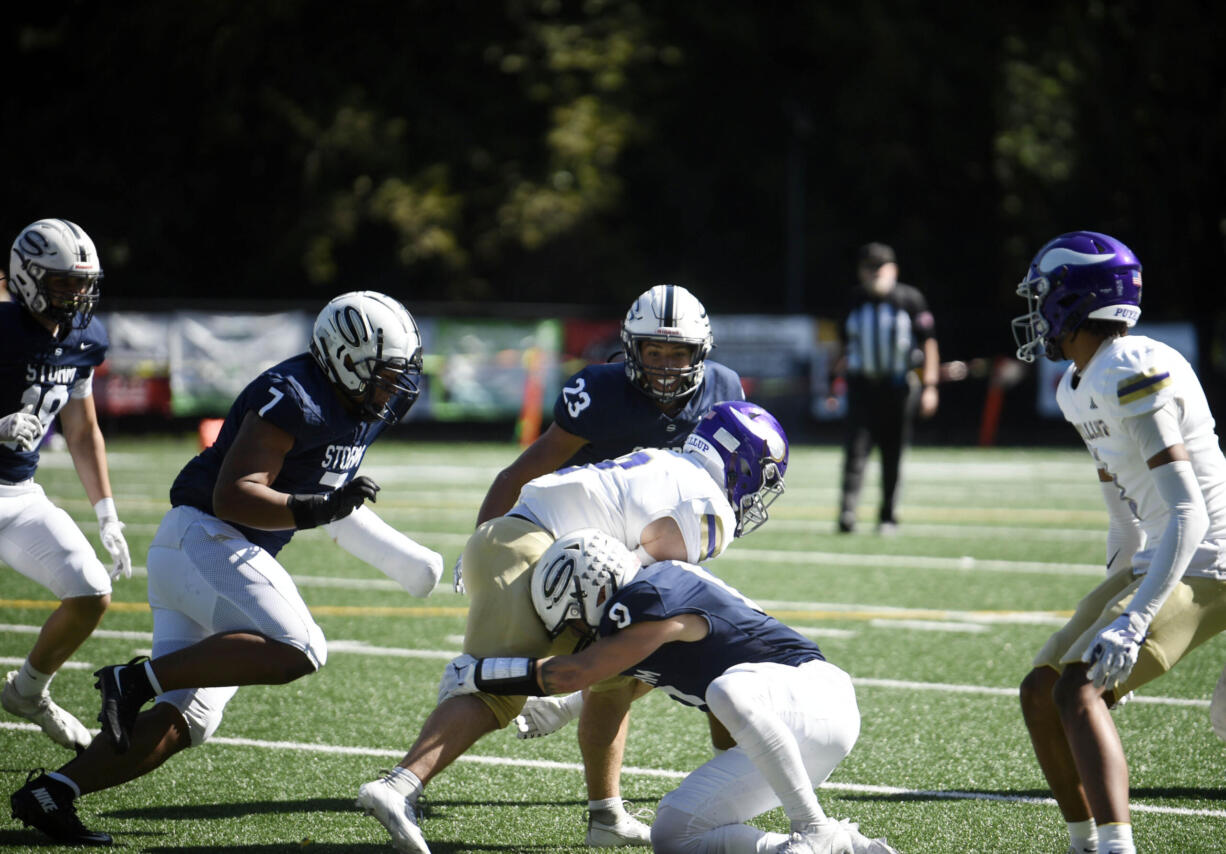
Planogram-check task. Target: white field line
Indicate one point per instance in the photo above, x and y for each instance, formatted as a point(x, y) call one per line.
point(356, 647)
point(541, 764)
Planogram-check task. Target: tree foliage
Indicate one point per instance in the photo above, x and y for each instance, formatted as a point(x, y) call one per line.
point(579, 150)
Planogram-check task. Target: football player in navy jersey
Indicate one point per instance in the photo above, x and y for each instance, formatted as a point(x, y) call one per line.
point(51, 344)
point(662, 503)
point(225, 612)
point(675, 626)
point(651, 400)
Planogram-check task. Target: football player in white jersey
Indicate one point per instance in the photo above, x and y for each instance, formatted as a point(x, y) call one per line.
point(661, 504)
point(1141, 411)
point(51, 343)
point(676, 626)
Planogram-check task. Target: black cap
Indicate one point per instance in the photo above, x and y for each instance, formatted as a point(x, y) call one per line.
point(875, 254)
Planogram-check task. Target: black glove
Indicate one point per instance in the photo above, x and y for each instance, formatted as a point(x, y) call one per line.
point(311, 511)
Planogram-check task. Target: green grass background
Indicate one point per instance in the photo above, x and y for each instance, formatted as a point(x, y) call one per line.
point(985, 532)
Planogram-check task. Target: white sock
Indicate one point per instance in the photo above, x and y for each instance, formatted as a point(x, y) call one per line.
point(1115, 839)
point(607, 810)
point(405, 782)
point(1083, 835)
point(30, 682)
point(56, 775)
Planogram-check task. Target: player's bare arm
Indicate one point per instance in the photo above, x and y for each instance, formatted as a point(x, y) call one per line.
point(244, 492)
point(79, 424)
point(662, 540)
point(548, 453)
point(617, 652)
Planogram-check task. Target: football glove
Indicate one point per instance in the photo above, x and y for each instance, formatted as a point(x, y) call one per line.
point(311, 511)
point(1114, 652)
point(544, 715)
point(22, 428)
point(457, 575)
point(459, 677)
point(110, 530)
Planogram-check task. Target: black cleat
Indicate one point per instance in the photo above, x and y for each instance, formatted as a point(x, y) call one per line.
point(125, 688)
point(47, 805)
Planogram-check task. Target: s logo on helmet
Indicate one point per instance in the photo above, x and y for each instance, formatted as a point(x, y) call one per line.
point(558, 574)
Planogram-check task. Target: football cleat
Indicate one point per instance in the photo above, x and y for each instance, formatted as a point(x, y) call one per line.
point(832, 837)
point(123, 694)
point(626, 832)
point(1082, 849)
point(59, 725)
point(861, 844)
point(395, 813)
point(47, 805)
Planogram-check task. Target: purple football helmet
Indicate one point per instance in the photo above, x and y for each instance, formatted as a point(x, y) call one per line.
point(1076, 277)
point(747, 446)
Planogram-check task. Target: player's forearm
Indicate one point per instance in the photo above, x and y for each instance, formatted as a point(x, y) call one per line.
point(254, 505)
point(88, 451)
point(501, 496)
point(1185, 530)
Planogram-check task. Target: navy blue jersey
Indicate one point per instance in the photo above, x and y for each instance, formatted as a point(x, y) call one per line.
point(329, 440)
point(602, 405)
point(38, 372)
point(739, 633)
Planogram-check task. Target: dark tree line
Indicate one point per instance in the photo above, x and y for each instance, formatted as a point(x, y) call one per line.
point(536, 151)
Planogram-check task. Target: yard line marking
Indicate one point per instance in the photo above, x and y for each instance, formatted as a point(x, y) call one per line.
point(358, 647)
point(67, 665)
point(966, 562)
point(98, 633)
point(666, 773)
point(927, 625)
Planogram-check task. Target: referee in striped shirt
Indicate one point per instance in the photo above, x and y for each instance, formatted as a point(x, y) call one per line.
point(887, 335)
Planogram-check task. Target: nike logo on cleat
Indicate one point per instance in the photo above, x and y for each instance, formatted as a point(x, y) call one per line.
point(45, 800)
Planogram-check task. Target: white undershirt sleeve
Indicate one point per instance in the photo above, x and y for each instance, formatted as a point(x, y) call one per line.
point(1185, 529)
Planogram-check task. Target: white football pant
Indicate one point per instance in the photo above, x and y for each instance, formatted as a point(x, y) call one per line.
point(41, 541)
point(206, 578)
point(793, 725)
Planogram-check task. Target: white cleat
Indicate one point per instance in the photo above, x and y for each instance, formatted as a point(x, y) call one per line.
point(1085, 849)
point(829, 838)
point(395, 813)
point(861, 844)
point(626, 832)
point(59, 725)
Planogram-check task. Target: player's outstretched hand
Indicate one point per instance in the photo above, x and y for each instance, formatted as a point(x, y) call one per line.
point(311, 511)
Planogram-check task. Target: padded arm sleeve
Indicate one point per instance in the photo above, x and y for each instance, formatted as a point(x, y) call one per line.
point(368, 538)
point(1186, 527)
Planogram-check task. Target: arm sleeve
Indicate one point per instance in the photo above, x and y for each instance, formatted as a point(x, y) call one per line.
point(1186, 527)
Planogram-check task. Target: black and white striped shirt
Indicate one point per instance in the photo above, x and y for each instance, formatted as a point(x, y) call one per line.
point(883, 337)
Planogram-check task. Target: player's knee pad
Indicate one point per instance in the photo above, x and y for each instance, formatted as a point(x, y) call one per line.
point(675, 831)
point(201, 709)
point(731, 699)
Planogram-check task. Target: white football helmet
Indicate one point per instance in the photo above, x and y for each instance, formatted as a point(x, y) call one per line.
point(670, 314)
point(577, 575)
point(54, 272)
point(369, 347)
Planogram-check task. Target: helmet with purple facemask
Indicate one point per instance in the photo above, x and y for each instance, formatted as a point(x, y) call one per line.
point(1079, 276)
point(746, 451)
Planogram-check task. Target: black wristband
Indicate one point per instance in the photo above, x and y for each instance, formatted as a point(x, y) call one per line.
point(307, 510)
point(508, 677)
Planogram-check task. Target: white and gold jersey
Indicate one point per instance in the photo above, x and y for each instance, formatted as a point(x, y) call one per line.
point(623, 496)
point(1132, 376)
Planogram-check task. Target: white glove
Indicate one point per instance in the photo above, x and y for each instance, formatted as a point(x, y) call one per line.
point(460, 677)
point(22, 428)
point(545, 715)
point(110, 529)
point(1114, 652)
point(457, 575)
